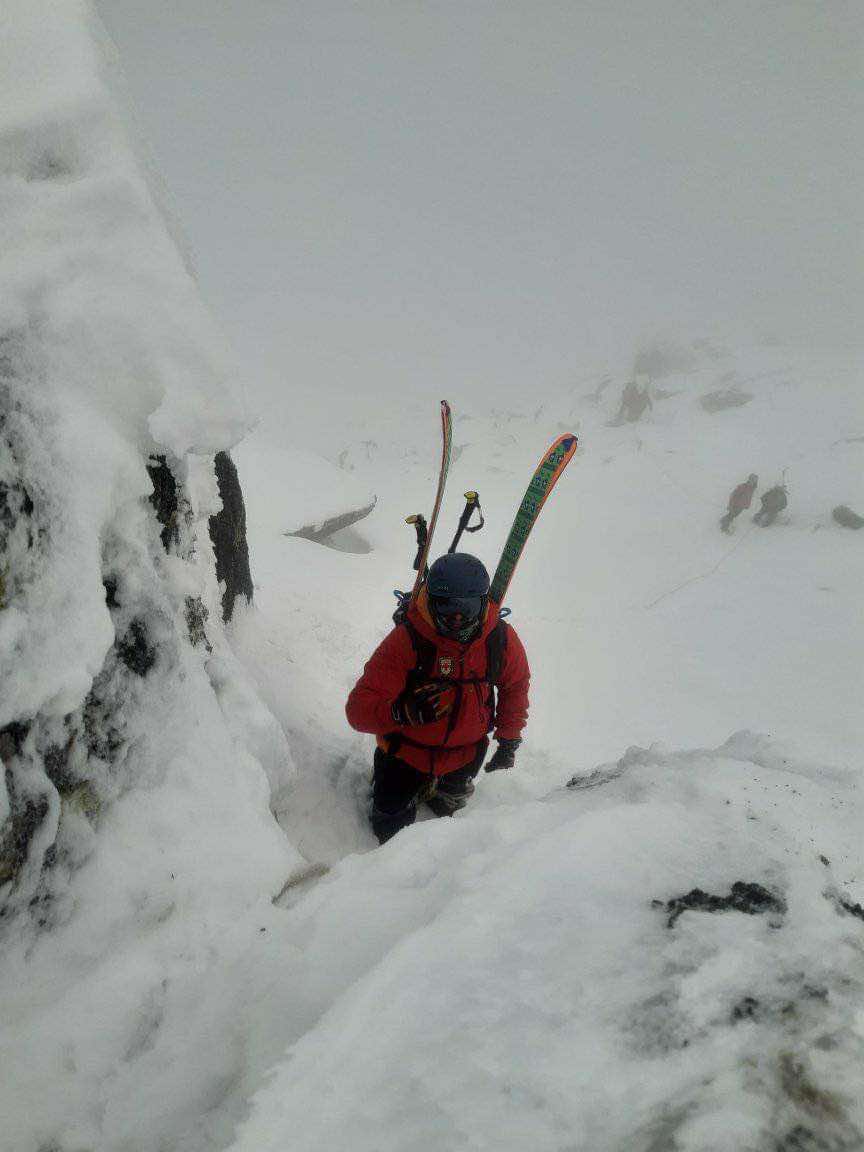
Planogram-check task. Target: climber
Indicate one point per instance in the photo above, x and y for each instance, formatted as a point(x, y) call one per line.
point(428, 695)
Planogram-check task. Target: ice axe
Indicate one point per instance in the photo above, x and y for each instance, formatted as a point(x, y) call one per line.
point(472, 505)
point(421, 528)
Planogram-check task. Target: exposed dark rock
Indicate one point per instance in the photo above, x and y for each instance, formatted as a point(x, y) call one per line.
point(320, 533)
point(228, 534)
point(135, 650)
point(635, 402)
point(56, 759)
point(844, 516)
point(14, 501)
point(111, 584)
point(196, 619)
point(853, 909)
point(103, 738)
point(748, 1008)
point(12, 739)
point(28, 812)
point(165, 501)
point(744, 897)
point(773, 503)
point(803, 1139)
point(15, 505)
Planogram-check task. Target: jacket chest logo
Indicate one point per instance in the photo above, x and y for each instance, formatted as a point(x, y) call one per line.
point(445, 665)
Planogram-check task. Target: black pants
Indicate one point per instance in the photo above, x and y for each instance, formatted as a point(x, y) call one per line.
point(396, 787)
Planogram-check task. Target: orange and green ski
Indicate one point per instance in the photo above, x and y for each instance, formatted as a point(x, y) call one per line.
point(542, 482)
point(426, 544)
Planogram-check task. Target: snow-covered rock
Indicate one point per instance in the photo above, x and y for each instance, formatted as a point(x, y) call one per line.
point(136, 755)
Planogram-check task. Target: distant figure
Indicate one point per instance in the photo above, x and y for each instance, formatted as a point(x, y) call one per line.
point(739, 501)
point(773, 503)
point(634, 403)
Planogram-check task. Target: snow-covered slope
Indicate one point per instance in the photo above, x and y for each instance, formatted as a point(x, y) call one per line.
point(507, 980)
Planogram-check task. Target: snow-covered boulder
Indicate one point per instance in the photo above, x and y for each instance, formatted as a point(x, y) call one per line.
point(113, 379)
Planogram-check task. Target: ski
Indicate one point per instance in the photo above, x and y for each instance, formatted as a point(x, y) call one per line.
point(446, 443)
point(542, 482)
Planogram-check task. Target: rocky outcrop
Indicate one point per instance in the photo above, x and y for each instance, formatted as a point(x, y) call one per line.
point(228, 534)
point(71, 766)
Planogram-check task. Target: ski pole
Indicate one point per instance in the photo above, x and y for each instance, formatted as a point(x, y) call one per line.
point(420, 527)
point(472, 503)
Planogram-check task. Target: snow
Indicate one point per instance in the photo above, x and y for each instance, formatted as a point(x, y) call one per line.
point(203, 976)
point(504, 981)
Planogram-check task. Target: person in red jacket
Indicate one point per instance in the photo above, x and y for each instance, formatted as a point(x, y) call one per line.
point(428, 695)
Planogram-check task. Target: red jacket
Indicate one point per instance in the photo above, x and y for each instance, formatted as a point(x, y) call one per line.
point(450, 742)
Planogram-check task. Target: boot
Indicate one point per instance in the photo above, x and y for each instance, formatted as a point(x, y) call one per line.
point(446, 800)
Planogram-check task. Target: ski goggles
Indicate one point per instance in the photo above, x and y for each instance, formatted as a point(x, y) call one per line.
point(449, 607)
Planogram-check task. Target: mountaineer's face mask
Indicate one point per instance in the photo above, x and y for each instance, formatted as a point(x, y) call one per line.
point(457, 617)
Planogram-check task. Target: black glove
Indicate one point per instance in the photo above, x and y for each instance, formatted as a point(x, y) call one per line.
point(505, 755)
point(423, 705)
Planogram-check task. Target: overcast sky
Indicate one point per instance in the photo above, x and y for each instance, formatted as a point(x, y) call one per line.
point(500, 194)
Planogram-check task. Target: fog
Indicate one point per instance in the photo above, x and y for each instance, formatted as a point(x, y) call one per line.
point(480, 198)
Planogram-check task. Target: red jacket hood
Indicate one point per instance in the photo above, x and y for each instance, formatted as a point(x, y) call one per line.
point(421, 618)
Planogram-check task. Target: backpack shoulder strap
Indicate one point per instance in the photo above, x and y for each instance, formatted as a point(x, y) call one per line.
point(425, 652)
point(496, 645)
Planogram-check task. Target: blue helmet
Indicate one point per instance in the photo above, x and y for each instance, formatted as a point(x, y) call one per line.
point(458, 589)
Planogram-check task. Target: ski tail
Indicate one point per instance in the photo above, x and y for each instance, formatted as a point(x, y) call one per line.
point(446, 444)
point(543, 481)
